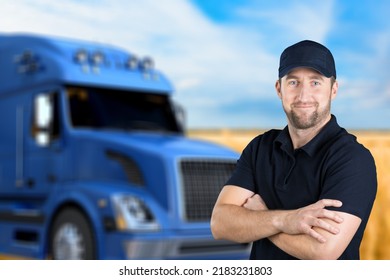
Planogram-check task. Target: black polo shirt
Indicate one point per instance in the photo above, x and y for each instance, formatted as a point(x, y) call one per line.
point(332, 165)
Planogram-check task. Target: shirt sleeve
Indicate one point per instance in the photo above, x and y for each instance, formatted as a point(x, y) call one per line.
point(243, 175)
point(351, 178)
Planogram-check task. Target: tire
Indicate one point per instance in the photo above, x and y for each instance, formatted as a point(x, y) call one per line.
point(71, 237)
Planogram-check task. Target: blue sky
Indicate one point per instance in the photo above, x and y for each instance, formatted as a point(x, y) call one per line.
point(222, 56)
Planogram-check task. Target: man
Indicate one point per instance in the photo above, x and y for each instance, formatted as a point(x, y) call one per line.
point(304, 192)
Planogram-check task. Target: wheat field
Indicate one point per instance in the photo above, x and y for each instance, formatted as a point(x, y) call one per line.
point(376, 240)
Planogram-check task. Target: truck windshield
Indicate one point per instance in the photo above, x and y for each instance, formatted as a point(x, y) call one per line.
point(114, 109)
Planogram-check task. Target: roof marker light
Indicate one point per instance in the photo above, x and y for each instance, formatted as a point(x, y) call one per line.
point(25, 57)
point(147, 64)
point(132, 62)
point(81, 56)
point(28, 63)
point(97, 58)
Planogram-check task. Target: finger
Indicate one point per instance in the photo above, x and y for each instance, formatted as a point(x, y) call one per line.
point(329, 203)
point(333, 216)
point(254, 203)
point(258, 198)
point(315, 235)
point(326, 226)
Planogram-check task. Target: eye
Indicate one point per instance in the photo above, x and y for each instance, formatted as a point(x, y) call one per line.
point(292, 82)
point(316, 83)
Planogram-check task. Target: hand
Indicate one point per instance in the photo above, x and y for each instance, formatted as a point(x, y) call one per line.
point(255, 202)
point(304, 219)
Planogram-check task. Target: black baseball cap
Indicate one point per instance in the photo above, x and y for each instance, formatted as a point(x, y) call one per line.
point(307, 54)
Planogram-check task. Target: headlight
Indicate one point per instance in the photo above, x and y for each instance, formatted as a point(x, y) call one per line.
point(132, 214)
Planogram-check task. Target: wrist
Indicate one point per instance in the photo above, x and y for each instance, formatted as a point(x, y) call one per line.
point(281, 220)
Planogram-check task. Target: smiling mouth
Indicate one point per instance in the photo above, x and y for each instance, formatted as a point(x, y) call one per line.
point(304, 105)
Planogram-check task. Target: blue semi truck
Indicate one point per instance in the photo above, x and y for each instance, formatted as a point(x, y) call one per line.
point(94, 162)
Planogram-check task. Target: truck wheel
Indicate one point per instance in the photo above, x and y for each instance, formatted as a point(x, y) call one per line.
point(71, 237)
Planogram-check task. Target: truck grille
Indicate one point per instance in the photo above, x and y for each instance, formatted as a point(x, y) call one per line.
point(202, 180)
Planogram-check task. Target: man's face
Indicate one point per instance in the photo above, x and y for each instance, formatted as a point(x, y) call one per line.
point(306, 97)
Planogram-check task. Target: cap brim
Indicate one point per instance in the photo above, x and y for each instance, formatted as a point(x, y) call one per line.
point(320, 70)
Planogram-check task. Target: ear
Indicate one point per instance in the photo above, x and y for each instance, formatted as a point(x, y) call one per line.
point(278, 88)
point(334, 89)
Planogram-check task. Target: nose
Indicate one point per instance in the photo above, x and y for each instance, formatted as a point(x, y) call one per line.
point(304, 92)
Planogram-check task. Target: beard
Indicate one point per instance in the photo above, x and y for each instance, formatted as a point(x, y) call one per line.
point(305, 120)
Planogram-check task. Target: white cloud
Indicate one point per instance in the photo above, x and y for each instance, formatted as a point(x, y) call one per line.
point(187, 83)
point(294, 20)
point(181, 38)
point(365, 83)
point(212, 65)
point(199, 55)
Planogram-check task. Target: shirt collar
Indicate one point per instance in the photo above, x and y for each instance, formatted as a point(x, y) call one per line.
point(326, 133)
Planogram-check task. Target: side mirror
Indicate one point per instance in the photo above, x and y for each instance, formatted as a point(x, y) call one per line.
point(43, 118)
point(180, 115)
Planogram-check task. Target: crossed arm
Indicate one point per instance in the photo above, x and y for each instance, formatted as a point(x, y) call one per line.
point(311, 232)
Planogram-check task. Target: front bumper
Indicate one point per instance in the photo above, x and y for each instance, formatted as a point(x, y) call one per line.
point(171, 246)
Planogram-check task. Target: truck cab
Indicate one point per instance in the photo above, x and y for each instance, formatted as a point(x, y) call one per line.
point(94, 160)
